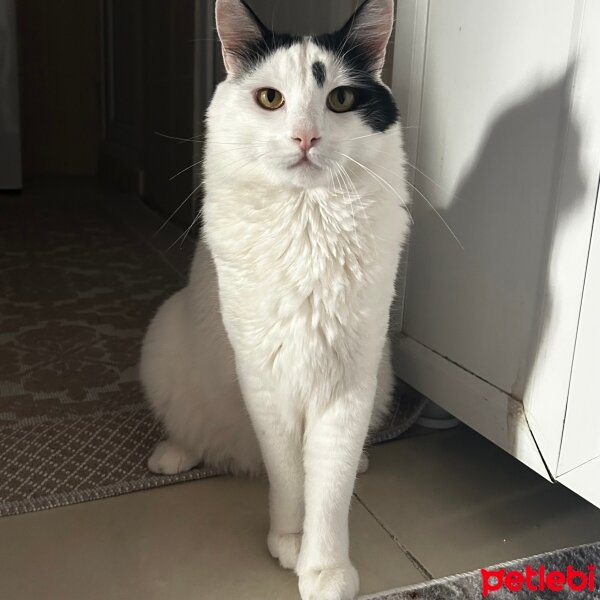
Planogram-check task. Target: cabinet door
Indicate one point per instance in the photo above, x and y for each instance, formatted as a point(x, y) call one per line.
point(122, 139)
point(171, 32)
point(579, 464)
point(504, 104)
point(10, 138)
point(151, 51)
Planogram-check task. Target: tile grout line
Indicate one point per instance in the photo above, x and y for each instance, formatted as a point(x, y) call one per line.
point(411, 557)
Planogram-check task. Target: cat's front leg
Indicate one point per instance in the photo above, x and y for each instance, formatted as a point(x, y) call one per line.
point(281, 447)
point(333, 443)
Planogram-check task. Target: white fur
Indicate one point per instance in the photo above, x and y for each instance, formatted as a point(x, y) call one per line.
point(295, 336)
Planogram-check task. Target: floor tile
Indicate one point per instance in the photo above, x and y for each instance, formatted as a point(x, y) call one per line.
point(457, 503)
point(201, 540)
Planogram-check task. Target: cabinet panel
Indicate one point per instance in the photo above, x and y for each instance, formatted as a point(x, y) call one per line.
point(150, 84)
point(490, 136)
point(504, 114)
point(581, 438)
point(122, 95)
point(122, 28)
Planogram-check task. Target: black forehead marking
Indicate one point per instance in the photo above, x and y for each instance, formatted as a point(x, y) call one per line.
point(319, 73)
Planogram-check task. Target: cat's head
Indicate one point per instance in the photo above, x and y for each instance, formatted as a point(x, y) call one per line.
point(296, 108)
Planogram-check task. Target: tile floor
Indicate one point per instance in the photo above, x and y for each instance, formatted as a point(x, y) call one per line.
point(430, 505)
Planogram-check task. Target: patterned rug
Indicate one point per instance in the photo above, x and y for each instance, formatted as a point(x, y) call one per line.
point(77, 289)
point(470, 586)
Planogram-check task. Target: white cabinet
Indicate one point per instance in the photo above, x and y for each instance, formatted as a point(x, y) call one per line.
point(501, 102)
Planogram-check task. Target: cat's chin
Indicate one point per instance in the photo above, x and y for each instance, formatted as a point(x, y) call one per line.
point(306, 175)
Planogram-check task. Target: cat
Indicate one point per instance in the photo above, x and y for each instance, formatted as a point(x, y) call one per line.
point(276, 352)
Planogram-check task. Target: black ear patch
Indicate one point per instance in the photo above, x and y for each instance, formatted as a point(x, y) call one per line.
point(248, 54)
point(319, 73)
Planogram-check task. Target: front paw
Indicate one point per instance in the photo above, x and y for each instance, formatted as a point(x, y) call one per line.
point(169, 458)
point(285, 547)
point(337, 583)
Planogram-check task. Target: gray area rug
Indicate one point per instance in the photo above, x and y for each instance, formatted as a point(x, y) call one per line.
point(77, 289)
point(469, 586)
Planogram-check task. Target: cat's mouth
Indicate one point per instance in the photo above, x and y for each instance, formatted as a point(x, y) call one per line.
point(304, 162)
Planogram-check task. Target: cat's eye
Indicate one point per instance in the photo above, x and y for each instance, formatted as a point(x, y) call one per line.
point(269, 98)
point(342, 99)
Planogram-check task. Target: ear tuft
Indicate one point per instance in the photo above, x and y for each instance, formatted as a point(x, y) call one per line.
point(239, 29)
point(370, 28)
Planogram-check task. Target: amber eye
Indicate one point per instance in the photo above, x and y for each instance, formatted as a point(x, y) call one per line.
point(341, 99)
point(269, 98)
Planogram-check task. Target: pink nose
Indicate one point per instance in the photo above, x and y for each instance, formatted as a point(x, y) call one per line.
point(306, 139)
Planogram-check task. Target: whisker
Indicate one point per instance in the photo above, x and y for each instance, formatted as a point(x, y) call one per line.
point(454, 197)
point(179, 139)
point(428, 202)
point(356, 197)
point(187, 231)
point(360, 137)
point(186, 169)
point(381, 180)
point(415, 168)
point(234, 162)
point(363, 207)
point(414, 187)
point(228, 150)
point(202, 160)
point(243, 144)
point(347, 36)
point(197, 141)
point(178, 208)
point(199, 215)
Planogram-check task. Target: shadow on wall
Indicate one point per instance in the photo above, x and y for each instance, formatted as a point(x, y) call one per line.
point(504, 213)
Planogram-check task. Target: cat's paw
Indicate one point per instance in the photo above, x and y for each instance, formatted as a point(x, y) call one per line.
point(339, 583)
point(285, 547)
point(169, 459)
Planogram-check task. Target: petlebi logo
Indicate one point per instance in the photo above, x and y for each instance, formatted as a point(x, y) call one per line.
point(538, 579)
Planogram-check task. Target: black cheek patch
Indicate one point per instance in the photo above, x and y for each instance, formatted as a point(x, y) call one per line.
point(318, 70)
point(376, 105)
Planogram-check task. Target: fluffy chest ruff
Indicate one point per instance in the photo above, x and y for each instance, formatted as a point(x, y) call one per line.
point(302, 281)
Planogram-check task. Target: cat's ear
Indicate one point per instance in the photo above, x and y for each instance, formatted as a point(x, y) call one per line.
point(369, 30)
point(239, 29)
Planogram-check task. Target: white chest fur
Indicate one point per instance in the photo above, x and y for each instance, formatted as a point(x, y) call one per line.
point(305, 279)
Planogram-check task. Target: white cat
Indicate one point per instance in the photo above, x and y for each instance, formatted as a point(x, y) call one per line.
point(281, 332)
